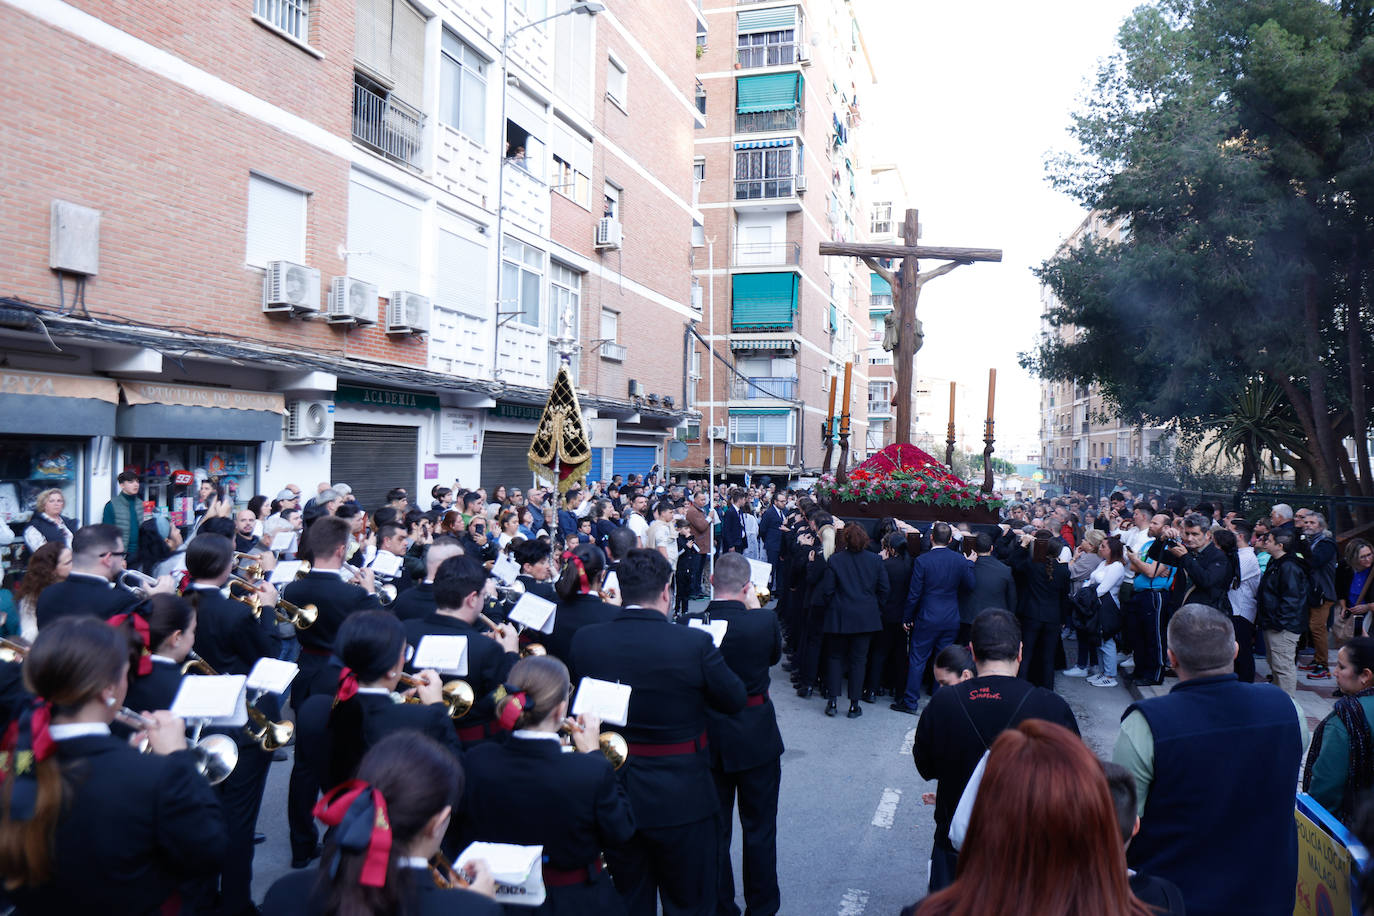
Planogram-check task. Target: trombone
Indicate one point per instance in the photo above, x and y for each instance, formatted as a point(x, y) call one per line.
point(458, 694)
point(302, 617)
point(613, 745)
point(216, 755)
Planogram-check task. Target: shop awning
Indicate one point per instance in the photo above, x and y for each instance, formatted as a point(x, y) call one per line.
point(877, 286)
point(770, 92)
point(763, 300)
point(52, 404)
point(762, 144)
point(159, 410)
point(762, 343)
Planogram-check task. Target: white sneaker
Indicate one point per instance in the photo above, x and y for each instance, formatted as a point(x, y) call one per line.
point(1075, 671)
point(1102, 680)
point(1126, 661)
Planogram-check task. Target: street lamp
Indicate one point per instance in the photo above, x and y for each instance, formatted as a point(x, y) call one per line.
point(581, 7)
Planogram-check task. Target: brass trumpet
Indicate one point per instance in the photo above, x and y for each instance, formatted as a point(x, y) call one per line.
point(216, 755)
point(194, 664)
point(253, 571)
point(267, 734)
point(458, 695)
point(444, 874)
point(138, 583)
point(11, 651)
point(613, 745)
point(300, 617)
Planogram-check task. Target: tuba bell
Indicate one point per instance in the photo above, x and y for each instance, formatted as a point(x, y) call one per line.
point(265, 733)
point(216, 754)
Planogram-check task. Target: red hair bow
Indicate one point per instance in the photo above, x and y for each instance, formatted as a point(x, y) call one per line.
point(582, 583)
point(348, 686)
point(140, 625)
point(359, 811)
point(512, 710)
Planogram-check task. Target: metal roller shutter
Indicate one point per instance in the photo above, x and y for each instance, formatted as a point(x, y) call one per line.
point(634, 459)
point(594, 472)
point(505, 460)
point(372, 459)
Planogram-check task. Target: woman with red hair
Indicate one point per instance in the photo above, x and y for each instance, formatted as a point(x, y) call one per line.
point(1043, 839)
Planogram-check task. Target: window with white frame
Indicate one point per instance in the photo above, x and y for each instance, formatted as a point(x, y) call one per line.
point(617, 80)
point(881, 222)
point(572, 163)
point(276, 222)
point(522, 279)
point(611, 204)
point(610, 326)
point(463, 88)
point(290, 17)
point(565, 301)
point(771, 429)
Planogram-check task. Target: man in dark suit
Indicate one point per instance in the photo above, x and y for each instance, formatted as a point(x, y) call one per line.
point(732, 524)
point(418, 603)
point(461, 587)
point(770, 531)
point(938, 577)
point(992, 587)
point(746, 747)
point(97, 561)
point(676, 676)
point(326, 541)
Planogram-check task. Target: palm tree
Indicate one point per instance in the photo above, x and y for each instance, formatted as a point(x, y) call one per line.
point(1260, 420)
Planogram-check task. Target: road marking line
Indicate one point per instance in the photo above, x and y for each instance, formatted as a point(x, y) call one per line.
point(853, 903)
point(887, 808)
point(908, 743)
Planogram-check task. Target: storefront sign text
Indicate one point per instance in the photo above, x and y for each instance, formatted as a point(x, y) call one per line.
point(386, 397)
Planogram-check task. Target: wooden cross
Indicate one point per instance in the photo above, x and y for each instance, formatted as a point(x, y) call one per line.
point(906, 283)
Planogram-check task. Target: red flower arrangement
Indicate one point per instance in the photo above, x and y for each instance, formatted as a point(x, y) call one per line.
point(904, 473)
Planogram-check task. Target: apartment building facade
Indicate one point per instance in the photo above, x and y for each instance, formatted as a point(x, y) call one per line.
point(287, 240)
point(887, 202)
point(1077, 430)
point(779, 169)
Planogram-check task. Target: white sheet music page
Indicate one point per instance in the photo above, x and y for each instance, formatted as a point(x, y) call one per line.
point(386, 564)
point(217, 700)
point(759, 573)
point(533, 611)
point(272, 675)
point(607, 701)
point(285, 572)
point(445, 654)
point(505, 568)
point(283, 542)
point(716, 628)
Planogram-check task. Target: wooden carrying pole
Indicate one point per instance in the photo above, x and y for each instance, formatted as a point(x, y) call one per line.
point(987, 433)
point(949, 433)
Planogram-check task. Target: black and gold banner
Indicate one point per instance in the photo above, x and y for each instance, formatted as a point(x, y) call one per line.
point(561, 441)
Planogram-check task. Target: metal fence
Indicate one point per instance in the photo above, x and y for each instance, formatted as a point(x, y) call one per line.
point(747, 122)
point(753, 389)
point(773, 54)
point(388, 125)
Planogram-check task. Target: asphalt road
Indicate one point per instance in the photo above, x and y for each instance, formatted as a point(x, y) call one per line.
point(853, 835)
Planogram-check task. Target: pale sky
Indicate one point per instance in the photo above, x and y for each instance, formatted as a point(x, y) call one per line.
point(970, 98)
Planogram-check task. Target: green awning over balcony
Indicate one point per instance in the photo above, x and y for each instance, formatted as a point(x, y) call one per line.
point(771, 20)
point(762, 301)
point(877, 286)
point(770, 92)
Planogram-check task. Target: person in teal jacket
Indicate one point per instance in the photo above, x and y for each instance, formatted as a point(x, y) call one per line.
point(1340, 762)
point(125, 510)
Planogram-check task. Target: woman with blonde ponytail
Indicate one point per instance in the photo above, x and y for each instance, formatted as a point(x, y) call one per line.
point(528, 792)
point(87, 823)
point(816, 546)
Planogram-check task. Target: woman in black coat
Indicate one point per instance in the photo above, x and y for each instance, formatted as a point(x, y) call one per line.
point(888, 651)
point(526, 791)
point(815, 547)
point(579, 599)
point(854, 590)
point(1039, 605)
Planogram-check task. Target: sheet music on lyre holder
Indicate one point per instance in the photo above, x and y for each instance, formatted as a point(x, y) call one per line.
point(609, 702)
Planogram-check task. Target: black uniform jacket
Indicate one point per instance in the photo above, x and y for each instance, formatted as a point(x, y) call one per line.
point(334, 598)
point(156, 690)
point(137, 827)
point(752, 644)
point(382, 716)
point(854, 589)
point(529, 792)
point(488, 663)
point(82, 594)
point(300, 893)
point(415, 603)
point(573, 615)
point(228, 637)
point(676, 675)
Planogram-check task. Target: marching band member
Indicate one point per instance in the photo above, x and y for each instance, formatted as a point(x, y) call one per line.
point(372, 647)
point(97, 560)
point(391, 538)
point(746, 747)
point(163, 631)
point(536, 560)
point(391, 821)
point(326, 587)
point(230, 641)
point(571, 804)
point(88, 824)
point(675, 675)
point(579, 598)
point(418, 602)
point(461, 587)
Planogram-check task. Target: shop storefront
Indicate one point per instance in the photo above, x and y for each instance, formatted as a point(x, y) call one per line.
point(506, 446)
point(50, 424)
point(378, 435)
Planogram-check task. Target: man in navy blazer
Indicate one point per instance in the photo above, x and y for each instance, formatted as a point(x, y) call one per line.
point(938, 578)
point(770, 528)
point(732, 524)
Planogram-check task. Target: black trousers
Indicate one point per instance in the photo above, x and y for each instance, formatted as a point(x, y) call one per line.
point(846, 649)
point(887, 658)
point(1245, 653)
point(304, 786)
point(809, 644)
point(1143, 622)
point(687, 562)
point(240, 797)
point(1038, 641)
point(757, 791)
point(677, 864)
point(944, 863)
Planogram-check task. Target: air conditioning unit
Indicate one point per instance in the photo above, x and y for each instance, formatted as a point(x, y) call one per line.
point(636, 388)
point(291, 289)
point(351, 301)
point(309, 421)
point(799, 184)
point(716, 432)
point(804, 55)
point(407, 313)
point(607, 232)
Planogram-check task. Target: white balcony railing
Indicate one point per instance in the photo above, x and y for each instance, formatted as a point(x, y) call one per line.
point(388, 125)
point(778, 54)
point(771, 388)
point(613, 351)
point(765, 254)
